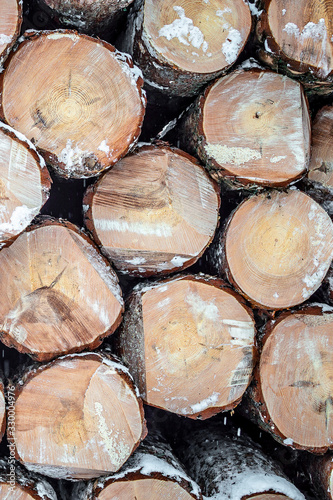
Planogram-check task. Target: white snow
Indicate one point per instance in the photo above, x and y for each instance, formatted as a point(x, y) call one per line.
point(57, 36)
point(4, 39)
point(104, 147)
point(232, 45)
point(72, 156)
point(19, 220)
point(205, 403)
point(276, 159)
point(136, 261)
point(288, 441)
point(235, 155)
point(254, 9)
point(283, 11)
point(184, 30)
point(179, 261)
point(162, 230)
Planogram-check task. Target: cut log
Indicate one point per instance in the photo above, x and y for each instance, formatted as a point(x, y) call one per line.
point(19, 484)
point(10, 25)
point(189, 343)
point(59, 294)
point(321, 162)
point(155, 212)
point(82, 106)
point(77, 417)
point(320, 470)
point(152, 472)
point(239, 128)
point(277, 248)
point(293, 383)
point(233, 468)
point(297, 36)
point(24, 183)
point(182, 47)
point(91, 17)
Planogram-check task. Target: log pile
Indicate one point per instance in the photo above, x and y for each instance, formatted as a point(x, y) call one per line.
point(165, 306)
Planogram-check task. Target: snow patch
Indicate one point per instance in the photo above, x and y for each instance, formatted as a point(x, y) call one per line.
point(235, 155)
point(232, 45)
point(104, 147)
point(201, 307)
point(184, 29)
point(288, 441)
point(205, 403)
point(4, 39)
point(72, 156)
point(178, 261)
point(57, 36)
point(276, 159)
point(19, 220)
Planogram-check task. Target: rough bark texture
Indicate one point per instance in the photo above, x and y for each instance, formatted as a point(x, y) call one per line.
point(84, 113)
point(154, 213)
point(320, 470)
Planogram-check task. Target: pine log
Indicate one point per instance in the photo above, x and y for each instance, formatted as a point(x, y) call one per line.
point(92, 17)
point(240, 129)
point(321, 162)
point(24, 183)
point(152, 472)
point(77, 417)
point(10, 25)
point(83, 104)
point(298, 40)
point(277, 248)
point(155, 212)
point(233, 468)
point(59, 295)
point(189, 344)
point(19, 484)
point(182, 47)
point(320, 470)
point(293, 382)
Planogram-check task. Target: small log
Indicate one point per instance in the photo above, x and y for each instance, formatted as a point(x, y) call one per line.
point(240, 130)
point(77, 417)
point(181, 47)
point(24, 183)
point(19, 484)
point(277, 248)
point(10, 25)
point(59, 294)
point(189, 343)
point(83, 113)
point(321, 162)
point(293, 382)
point(320, 470)
point(297, 36)
point(152, 472)
point(233, 468)
point(155, 212)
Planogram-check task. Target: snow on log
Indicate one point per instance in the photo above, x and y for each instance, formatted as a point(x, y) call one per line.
point(241, 131)
point(182, 47)
point(189, 344)
point(24, 183)
point(277, 248)
point(155, 212)
point(59, 294)
point(17, 483)
point(77, 417)
point(83, 104)
point(10, 25)
point(233, 468)
point(152, 472)
point(298, 39)
point(321, 161)
point(293, 383)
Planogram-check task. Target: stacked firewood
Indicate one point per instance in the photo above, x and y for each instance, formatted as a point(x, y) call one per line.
point(166, 246)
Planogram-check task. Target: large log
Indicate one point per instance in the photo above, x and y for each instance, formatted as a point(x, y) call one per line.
point(77, 417)
point(155, 212)
point(182, 47)
point(297, 37)
point(293, 382)
point(241, 131)
point(59, 294)
point(189, 343)
point(233, 468)
point(10, 25)
point(276, 249)
point(83, 104)
point(152, 472)
point(18, 484)
point(24, 183)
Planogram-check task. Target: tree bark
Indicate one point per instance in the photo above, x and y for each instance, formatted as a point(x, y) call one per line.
point(83, 113)
point(10, 25)
point(181, 48)
point(189, 343)
point(59, 294)
point(292, 383)
point(276, 249)
point(320, 470)
point(233, 468)
point(240, 130)
point(155, 212)
point(77, 417)
point(23, 485)
point(297, 38)
point(321, 163)
point(151, 472)
point(24, 183)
